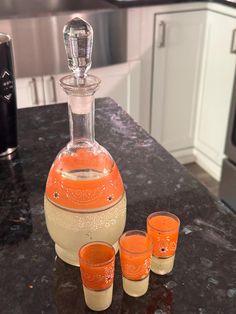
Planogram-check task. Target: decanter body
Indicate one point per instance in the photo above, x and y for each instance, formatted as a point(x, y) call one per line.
point(85, 199)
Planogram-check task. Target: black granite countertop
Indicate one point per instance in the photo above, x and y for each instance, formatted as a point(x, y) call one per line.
point(136, 3)
point(33, 280)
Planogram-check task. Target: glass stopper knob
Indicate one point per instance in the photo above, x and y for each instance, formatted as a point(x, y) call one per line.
point(78, 39)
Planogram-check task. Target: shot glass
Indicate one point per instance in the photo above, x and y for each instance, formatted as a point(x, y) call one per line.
point(135, 257)
point(163, 228)
point(97, 262)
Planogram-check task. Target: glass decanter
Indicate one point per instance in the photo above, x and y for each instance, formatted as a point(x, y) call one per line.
point(85, 199)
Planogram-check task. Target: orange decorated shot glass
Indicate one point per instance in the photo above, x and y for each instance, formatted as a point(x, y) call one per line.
point(135, 257)
point(163, 228)
point(97, 262)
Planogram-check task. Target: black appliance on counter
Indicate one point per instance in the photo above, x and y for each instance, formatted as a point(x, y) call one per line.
point(228, 177)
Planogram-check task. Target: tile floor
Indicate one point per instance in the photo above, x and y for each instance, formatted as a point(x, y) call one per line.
point(210, 183)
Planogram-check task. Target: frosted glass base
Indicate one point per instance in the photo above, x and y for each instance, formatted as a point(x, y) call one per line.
point(71, 230)
point(98, 300)
point(162, 265)
point(135, 288)
point(71, 257)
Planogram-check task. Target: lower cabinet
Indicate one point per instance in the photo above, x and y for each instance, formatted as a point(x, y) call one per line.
point(215, 92)
point(178, 48)
point(120, 82)
point(194, 64)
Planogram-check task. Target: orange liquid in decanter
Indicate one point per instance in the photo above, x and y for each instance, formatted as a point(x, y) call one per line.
point(84, 180)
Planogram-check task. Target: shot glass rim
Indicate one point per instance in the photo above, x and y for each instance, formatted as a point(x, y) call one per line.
point(136, 253)
point(163, 213)
point(97, 264)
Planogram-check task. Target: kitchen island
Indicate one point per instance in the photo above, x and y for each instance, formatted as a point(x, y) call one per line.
point(34, 280)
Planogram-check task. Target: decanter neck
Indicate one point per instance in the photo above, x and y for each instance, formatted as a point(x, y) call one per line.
point(81, 117)
point(80, 93)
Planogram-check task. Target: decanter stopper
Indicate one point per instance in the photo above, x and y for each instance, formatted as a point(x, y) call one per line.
point(78, 39)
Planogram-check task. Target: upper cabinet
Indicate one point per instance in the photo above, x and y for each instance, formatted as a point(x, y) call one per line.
point(218, 68)
point(178, 45)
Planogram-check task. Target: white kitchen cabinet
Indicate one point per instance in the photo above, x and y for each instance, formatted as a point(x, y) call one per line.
point(218, 69)
point(178, 45)
point(121, 82)
point(29, 92)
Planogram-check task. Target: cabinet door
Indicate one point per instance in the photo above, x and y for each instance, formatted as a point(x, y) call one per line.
point(121, 82)
point(178, 46)
point(218, 70)
point(29, 92)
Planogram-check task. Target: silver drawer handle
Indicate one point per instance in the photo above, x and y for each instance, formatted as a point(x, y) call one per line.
point(34, 91)
point(53, 86)
point(161, 34)
point(233, 48)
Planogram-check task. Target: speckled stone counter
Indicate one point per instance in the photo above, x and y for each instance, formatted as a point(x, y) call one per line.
point(33, 280)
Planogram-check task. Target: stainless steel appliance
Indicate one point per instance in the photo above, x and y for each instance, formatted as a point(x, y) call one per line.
point(228, 178)
point(36, 52)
